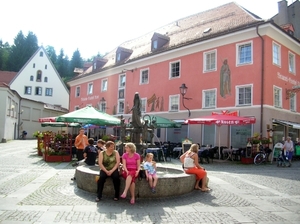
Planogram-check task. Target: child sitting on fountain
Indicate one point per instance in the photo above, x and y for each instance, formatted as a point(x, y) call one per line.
point(150, 170)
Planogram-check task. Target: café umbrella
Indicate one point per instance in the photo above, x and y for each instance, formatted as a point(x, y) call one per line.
point(221, 119)
point(89, 115)
point(59, 124)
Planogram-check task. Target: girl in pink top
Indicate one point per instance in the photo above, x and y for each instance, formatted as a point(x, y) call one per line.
point(131, 168)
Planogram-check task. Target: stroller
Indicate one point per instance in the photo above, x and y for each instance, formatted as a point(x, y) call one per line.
point(282, 158)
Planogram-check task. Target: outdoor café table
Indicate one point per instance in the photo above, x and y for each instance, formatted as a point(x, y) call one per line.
point(229, 152)
point(155, 152)
point(179, 150)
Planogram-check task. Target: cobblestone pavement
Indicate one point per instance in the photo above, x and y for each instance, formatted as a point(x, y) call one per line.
point(32, 191)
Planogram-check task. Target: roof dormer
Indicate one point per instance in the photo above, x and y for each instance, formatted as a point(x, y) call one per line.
point(99, 63)
point(158, 41)
point(122, 54)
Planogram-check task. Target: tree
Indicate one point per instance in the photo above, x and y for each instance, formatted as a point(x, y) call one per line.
point(62, 64)
point(76, 62)
point(52, 54)
point(4, 55)
point(22, 50)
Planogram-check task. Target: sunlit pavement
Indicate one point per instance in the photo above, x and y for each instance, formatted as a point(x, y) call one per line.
point(33, 191)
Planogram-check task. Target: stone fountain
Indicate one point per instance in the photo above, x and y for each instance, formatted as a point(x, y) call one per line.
point(172, 181)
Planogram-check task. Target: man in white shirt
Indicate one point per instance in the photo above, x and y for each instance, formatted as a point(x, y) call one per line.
point(289, 149)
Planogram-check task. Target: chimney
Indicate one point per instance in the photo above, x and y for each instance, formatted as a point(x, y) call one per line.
point(282, 13)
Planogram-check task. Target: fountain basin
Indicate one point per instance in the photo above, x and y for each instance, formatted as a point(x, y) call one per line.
point(171, 182)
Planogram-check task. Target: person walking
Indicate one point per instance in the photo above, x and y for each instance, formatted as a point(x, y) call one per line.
point(81, 141)
point(289, 149)
point(109, 161)
point(131, 168)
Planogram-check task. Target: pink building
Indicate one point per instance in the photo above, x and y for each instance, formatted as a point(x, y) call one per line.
point(230, 60)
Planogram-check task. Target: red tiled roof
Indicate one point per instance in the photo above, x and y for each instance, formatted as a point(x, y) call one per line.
point(6, 77)
point(223, 19)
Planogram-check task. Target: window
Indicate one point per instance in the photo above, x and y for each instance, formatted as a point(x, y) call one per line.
point(276, 54)
point(76, 107)
point(293, 103)
point(174, 69)
point(77, 92)
point(118, 56)
point(292, 63)
point(33, 65)
point(48, 91)
point(45, 66)
point(104, 85)
point(90, 89)
point(27, 90)
point(122, 80)
point(144, 103)
point(244, 53)
point(95, 65)
point(209, 98)
point(210, 61)
point(46, 79)
point(38, 91)
point(103, 106)
point(244, 95)
point(155, 45)
point(39, 76)
point(41, 54)
point(144, 76)
point(277, 96)
point(121, 94)
point(31, 78)
point(174, 103)
point(121, 106)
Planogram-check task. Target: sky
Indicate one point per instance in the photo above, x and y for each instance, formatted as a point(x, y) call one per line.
point(99, 26)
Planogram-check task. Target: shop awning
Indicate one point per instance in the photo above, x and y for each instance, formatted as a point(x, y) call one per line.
point(288, 123)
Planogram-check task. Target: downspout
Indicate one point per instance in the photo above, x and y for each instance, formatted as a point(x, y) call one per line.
point(19, 118)
point(262, 82)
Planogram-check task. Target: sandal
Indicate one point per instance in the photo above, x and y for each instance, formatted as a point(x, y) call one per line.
point(123, 196)
point(116, 199)
point(132, 201)
point(205, 190)
point(97, 199)
point(197, 188)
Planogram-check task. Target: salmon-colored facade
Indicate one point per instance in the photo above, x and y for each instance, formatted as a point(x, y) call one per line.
point(263, 62)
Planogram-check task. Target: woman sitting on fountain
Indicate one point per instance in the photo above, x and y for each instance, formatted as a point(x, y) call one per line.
point(131, 168)
point(191, 166)
point(109, 161)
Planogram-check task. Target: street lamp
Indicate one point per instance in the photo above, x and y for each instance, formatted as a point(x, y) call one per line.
point(183, 89)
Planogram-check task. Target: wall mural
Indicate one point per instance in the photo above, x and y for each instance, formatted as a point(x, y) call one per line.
point(157, 103)
point(225, 79)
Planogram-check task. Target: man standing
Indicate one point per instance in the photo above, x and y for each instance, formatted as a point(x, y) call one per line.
point(289, 149)
point(81, 141)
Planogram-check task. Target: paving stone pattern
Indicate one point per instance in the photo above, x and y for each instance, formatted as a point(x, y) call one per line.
point(32, 191)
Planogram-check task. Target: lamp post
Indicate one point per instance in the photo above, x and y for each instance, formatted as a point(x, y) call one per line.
point(183, 89)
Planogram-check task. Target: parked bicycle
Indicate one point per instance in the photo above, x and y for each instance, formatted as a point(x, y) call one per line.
point(262, 156)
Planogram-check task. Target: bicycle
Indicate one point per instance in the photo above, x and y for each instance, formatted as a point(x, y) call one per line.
point(262, 156)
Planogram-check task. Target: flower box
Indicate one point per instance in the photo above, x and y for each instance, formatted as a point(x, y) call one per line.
point(57, 158)
point(39, 151)
point(245, 160)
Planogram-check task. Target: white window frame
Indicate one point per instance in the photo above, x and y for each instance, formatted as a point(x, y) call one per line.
point(121, 83)
point(207, 57)
point(77, 91)
point(277, 90)
point(212, 102)
point(173, 102)
point(238, 53)
point(120, 109)
point(143, 105)
point(171, 71)
point(292, 63)
point(293, 102)
point(276, 56)
point(237, 90)
point(26, 92)
point(90, 88)
point(142, 82)
point(48, 91)
point(104, 84)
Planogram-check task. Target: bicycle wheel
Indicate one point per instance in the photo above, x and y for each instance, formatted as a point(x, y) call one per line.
point(258, 159)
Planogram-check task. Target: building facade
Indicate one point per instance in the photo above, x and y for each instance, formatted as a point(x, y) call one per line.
point(230, 60)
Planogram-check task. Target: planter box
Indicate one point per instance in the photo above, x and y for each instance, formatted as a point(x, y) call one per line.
point(39, 152)
point(57, 158)
point(245, 160)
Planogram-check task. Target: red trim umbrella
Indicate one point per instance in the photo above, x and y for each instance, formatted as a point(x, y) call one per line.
point(47, 119)
point(221, 119)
